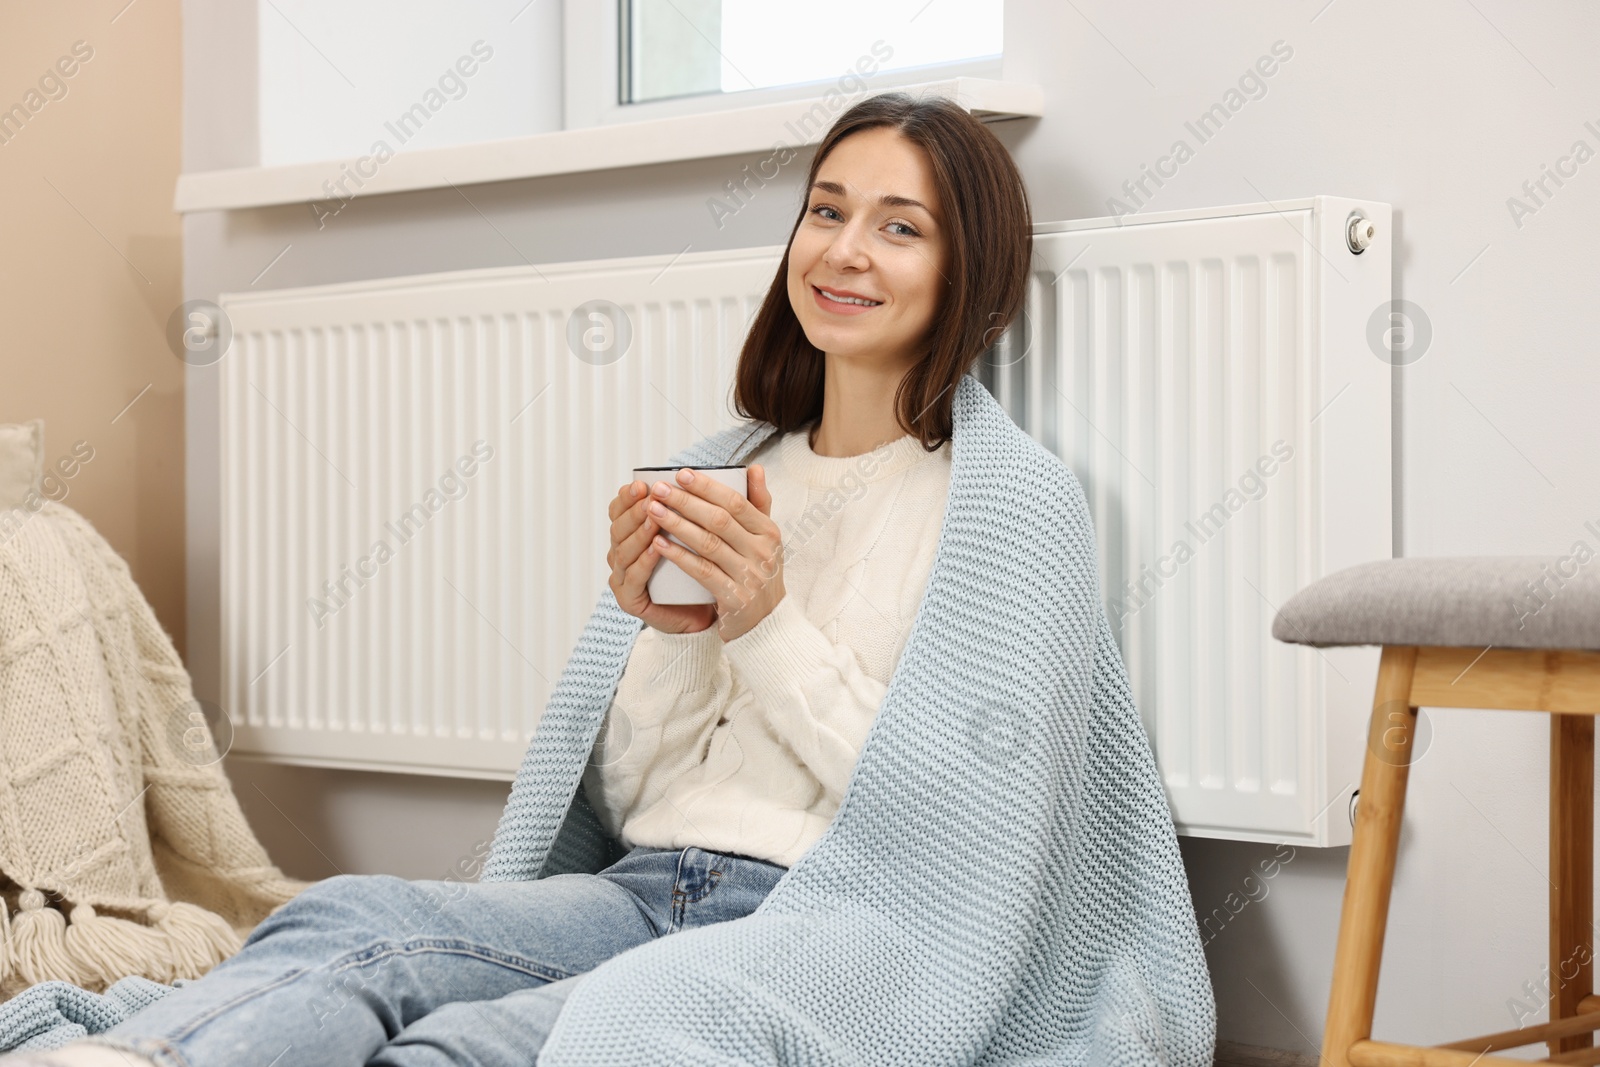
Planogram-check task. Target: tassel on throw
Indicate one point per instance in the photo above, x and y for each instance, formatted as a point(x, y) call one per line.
point(5, 942)
point(200, 939)
point(106, 948)
point(38, 942)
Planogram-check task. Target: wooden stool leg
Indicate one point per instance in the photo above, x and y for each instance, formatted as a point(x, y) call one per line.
point(1571, 870)
point(1373, 845)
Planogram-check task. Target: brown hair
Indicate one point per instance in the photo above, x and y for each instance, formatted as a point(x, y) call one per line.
point(990, 232)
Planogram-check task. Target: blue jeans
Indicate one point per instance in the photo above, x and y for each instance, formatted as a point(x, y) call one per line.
point(378, 970)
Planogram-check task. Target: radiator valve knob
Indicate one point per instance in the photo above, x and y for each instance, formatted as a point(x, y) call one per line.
point(1360, 232)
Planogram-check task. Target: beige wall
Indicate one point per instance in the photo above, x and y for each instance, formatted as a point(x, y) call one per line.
point(90, 267)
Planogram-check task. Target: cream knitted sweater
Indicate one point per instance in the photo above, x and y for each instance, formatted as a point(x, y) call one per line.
point(747, 746)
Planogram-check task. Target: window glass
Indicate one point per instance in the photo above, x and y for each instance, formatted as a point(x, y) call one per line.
point(692, 47)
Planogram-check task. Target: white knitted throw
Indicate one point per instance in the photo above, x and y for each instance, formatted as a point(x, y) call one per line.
point(123, 850)
point(1001, 883)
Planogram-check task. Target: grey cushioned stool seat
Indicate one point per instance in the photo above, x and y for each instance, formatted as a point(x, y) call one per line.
point(1505, 601)
point(1515, 633)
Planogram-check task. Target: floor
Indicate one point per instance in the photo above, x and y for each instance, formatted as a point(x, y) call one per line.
point(1230, 1054)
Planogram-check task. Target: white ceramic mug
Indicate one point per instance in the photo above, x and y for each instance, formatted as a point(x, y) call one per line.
point(668, 583)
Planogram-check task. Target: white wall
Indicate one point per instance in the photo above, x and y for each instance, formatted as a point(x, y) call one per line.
point(1441, 108)
point(336, 79)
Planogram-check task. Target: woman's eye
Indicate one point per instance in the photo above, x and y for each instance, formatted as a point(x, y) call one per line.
point(911, 231)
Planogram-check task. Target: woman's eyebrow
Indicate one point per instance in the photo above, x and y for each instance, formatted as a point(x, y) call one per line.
point(887, 199)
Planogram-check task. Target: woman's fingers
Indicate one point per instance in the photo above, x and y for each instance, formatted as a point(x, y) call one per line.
point(629, 522)
point(747, 562)
point(708, 574)
point(713, 506)
point(632, 558)
point(637, 572)
point(631, 530)
point(710, 530)
point(625, 498)
point(700, 540)
point(760, 495)
point(729, 545)
point(628, 549)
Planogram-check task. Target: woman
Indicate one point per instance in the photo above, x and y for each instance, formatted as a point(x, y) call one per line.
point(854, 361)
point(735, 726)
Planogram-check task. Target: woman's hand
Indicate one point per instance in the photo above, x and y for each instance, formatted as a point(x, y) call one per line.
point(631, 558)
point(737, 548)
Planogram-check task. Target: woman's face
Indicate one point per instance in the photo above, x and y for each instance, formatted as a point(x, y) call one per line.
point(871, 229)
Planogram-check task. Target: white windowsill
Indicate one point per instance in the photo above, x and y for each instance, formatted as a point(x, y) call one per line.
point(734, 131)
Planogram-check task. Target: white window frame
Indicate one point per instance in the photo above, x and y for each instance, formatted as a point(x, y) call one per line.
point(592, 31)
point(600, 134)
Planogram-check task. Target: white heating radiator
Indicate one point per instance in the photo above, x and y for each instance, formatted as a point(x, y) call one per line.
point(381, 608)
point(1160, 358)
point(1209, 377)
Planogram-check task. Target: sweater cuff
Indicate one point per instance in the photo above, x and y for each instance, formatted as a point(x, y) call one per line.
point(687, 663)
point(778, 652)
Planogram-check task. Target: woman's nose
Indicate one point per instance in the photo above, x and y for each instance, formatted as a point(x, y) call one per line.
point(846, 249)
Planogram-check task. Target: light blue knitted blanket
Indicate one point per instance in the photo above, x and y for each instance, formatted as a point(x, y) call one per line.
point(50, 1014)
point(1001, 884)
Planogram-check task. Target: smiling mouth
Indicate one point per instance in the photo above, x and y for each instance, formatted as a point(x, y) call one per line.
point(845, 300)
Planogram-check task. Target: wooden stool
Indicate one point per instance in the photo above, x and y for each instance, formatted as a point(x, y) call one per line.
point(1519, 632)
